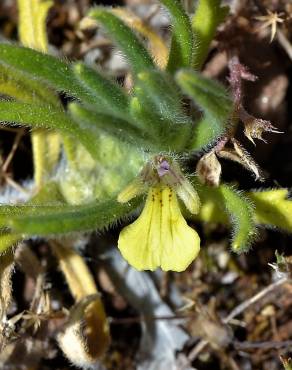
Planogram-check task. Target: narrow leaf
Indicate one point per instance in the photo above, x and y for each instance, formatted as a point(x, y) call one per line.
point(157, 45)
point(94, 123)
point(32, 23)
point(182, 37)
point(209, 14)
point(242, 217)
point(107, 94)
point(41, 116)
point(159, 96)
point(32, 33)
point(213, 98)
point(225, 205)
point(135, 52)
point(52, 71)
point(212, 206)
point(52, 220)
point(24, 89)
point(273, 208)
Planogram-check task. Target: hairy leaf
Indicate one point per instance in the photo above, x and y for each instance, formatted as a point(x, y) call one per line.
point(20, 87)
point(51, 220)
point(126, 40)
point(42, 116)
point(223, 204)
point(157, 45)
point(213, 98)
point(96, 122)
point(158, 95)
point(242, 217)
point(39, 66)
point(209, 14)
point(107, 94)
point(273, 208)
point(182, 37)
point(32, 33)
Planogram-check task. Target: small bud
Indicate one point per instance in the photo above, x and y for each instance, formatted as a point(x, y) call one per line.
point(209, 169)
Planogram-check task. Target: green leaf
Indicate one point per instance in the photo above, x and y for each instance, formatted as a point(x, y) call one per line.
point(52, 220)
point(209, 14)
point(94, 123)
point(182, 37)
point(212, 206)
point(135, 52)
point(273, 208)
point(145, 118)
point(213, 98)
point(158, 95)
point(9, 240)
point(107, 94)
point(242, 217)
point(25, 89)
point(49, 193)
point(52, 71)
point(224, 204)
point(41, 116)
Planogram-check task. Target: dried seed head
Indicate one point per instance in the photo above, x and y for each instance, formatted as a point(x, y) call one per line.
point(85, 337)
point(86, 334)
point(209, 326)
point(240, 155)
point(209, 169)
point(254, 128)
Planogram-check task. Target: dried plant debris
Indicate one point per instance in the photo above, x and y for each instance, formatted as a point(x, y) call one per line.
point(160, 338)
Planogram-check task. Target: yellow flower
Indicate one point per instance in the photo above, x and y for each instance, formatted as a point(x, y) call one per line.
point(160, 237)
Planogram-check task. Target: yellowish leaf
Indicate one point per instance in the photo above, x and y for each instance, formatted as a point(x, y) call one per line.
point(32, 33)
point(32, 23)
point(273, 208)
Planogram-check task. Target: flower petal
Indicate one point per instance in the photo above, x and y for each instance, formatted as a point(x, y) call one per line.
point(180, 243)
point(140, 241)
point(160, 236)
